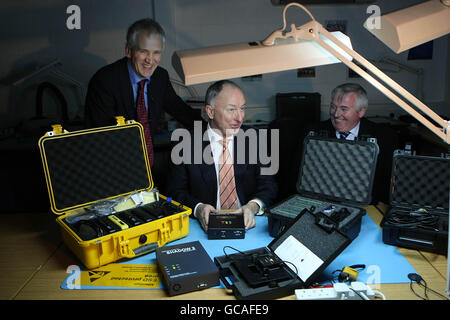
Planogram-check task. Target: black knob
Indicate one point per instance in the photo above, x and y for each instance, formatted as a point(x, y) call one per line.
point(143, 239)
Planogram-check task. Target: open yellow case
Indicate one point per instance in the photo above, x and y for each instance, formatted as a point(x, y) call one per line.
point(100, 184)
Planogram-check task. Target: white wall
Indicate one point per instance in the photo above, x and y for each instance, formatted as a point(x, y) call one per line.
point(204, 23)
point(34, 33)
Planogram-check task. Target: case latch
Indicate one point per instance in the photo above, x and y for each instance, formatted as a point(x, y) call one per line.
point(57, 129)
point(120, 120)
point(125, 248)
point(407, 151)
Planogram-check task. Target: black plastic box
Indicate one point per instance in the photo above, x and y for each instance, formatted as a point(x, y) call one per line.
point(310, 247)
point(226, 226)
point(335, 180)
point(419, 203)
point(186, 267)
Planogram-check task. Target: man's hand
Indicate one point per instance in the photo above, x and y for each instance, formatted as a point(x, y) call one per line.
point(203, 211)
point(249, 210)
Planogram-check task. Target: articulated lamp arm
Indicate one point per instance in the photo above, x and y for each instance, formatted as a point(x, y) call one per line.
point(312, 30)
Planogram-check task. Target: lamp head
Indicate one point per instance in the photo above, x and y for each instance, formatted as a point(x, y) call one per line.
point(404, 29)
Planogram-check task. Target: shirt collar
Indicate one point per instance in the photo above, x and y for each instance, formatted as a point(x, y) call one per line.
point(214, 136)
point(353, 132)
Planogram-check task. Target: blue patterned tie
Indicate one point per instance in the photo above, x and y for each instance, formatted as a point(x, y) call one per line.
point(343, 135)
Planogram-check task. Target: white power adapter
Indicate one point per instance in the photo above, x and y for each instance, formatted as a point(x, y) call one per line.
point(339, 291)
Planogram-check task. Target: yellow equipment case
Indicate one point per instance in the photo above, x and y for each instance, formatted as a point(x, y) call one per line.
point(100, 184)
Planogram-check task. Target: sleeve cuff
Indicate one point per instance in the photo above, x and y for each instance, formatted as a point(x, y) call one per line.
point(195, 209)
point(261, 206)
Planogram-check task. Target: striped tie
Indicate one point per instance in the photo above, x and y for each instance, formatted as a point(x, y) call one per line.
point(227, 185)
point(142, 116)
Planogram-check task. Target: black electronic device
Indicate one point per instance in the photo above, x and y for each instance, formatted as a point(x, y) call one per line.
point(262, 269)
point(186, 267)
point(291, 261)
point(226, 226)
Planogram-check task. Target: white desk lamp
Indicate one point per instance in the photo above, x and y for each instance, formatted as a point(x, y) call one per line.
point(407, 28)
point(303, 47)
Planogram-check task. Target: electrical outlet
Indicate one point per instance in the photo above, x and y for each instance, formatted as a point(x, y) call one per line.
point(316, 294)
point(339, 291)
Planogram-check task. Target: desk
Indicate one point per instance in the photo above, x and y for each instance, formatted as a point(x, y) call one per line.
point(34, 260)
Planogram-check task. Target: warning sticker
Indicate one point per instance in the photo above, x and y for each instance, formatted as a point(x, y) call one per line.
point(122, 275)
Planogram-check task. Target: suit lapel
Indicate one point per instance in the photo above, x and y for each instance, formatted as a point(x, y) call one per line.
point(239, 169)
point(127, 91)
point(208, 171)
point(364, 128)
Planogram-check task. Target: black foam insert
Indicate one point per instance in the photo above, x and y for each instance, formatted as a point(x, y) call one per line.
point(95, 165)
point(420, 181)
point(325, 245)
point(338, 169)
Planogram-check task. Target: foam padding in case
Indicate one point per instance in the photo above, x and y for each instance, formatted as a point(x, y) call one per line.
point(324, 244)
point(338, 169)
point(420, 181)
point(94, 164)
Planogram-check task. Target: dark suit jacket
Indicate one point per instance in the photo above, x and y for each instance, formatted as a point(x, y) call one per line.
point(387, 140)
point(194, 183)
point(110, 94)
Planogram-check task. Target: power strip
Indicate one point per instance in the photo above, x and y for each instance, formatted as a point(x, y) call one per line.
point(339, 291)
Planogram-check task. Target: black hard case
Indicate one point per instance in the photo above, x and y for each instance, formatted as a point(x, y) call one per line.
point(326, 245)
point(418, 182)
point(335, 172)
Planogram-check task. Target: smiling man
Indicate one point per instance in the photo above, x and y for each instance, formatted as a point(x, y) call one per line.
point(137, 88)
point(231, 181)
point(348, 107)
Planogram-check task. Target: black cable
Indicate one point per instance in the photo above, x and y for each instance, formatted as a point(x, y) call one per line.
point(226, 255)
point(420, 218)
point(426, 288)
point(418, 295)
point(292, 264)
point(357, 293)
point(414, 277)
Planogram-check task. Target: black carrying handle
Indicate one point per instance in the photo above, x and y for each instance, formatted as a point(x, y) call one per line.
point(62, 101)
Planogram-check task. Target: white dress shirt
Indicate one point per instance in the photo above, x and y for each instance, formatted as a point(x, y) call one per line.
point(217, 149)
point(353, 133)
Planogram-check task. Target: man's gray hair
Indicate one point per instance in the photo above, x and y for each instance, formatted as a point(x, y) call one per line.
point(340, 91)
point(148, 26)
point(215, 89)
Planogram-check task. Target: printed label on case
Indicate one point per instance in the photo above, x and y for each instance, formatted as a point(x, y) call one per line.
point(121, 275)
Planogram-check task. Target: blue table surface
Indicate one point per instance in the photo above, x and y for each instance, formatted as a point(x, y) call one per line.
point(384, 263)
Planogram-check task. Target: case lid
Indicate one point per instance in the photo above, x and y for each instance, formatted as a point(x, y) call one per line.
point(338, 170)
point(86, 166)
point(307, 245)
point(420, 182)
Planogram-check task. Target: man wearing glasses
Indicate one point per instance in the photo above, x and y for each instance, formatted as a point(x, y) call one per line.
point(228, 181)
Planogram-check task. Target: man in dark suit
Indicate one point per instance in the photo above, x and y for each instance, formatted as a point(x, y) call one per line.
point(114, 89)
point(196, 175)
point(348, 106)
